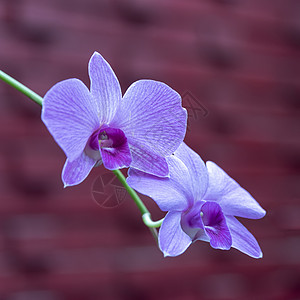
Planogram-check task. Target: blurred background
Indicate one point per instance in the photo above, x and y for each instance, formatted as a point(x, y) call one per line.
point(236, 64)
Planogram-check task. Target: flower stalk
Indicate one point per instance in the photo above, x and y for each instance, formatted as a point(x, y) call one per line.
point(146, 216)
point(139, 203)
point(21, 87)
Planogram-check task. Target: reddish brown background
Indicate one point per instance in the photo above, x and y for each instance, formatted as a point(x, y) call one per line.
point(240, 61)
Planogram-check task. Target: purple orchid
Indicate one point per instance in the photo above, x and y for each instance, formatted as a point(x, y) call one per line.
point(202, 202)
point(99, 126)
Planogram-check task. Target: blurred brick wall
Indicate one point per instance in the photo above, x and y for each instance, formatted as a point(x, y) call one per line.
point(237, 65)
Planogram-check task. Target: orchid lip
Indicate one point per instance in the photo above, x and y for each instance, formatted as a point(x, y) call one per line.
point(93, 142)
point(109, 145)
point(106, 137)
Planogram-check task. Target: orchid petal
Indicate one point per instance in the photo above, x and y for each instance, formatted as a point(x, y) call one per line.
point(70, 115)
point(169, 193)
point(145, 160)
point(242, 239)
point(172, 239)
point(152, 118)
point(196, 167)
point(215, 226)
point(233, 199)
point(105, 88)
point(76, 171)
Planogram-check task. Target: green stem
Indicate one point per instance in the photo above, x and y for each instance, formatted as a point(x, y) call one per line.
point(148, 221)
point(21, 87)
point(141, 206)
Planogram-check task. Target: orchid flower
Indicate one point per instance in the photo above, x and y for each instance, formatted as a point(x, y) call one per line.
point(100, 126)
point(202, 202)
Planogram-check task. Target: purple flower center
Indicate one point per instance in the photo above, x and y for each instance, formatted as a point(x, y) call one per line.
point(212, 214)
point(208, 217)
point(107, 137)
point(205, 214)
point(113, 147)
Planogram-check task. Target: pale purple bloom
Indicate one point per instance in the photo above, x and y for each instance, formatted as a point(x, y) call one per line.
point(100, 126)
point(202, 203)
